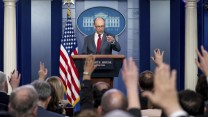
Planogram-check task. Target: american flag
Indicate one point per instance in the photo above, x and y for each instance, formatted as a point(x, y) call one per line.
point(67, 68)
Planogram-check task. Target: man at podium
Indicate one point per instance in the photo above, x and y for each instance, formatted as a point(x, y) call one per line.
point(100, 42)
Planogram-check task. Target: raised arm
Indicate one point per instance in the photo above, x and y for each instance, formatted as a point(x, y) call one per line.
point(86, 86)
point(15, 79)
point(130, 78)
point(115, 45)
point(202, 64)
point(158, 57)
point(43, 71)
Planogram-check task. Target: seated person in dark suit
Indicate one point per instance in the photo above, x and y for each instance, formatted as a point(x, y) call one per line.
point(44, 91)
point(14, 82)
point(100, 42)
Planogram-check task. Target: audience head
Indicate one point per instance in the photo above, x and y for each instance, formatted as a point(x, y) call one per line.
point(146, 80)
point(99, 25)
point(53, 105)
point(3, 82)
point(57, 84)
point(99, 89)
point(191, 102)
point(44, 92)
point(23, 101)
point(101, 85)
point(165, 93)
point(113, 99)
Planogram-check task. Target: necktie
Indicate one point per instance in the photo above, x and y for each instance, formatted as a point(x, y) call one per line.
point(98, 43)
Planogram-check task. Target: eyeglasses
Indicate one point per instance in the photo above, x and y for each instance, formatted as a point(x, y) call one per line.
point(100, 26)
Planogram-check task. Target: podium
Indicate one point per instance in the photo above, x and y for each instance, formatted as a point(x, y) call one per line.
point(108, 67)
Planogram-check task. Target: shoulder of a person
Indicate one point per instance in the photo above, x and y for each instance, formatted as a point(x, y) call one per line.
point(89, 36)
point(53, 114)
point(42, 111)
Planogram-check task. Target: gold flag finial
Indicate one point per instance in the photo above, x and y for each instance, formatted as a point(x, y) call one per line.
point(69, 1)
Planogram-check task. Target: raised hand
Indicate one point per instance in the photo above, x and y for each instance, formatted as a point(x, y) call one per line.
point(15, 79)
point(42, 71)
point(110, 39)
point(130, 79)
point(89, 67)
point(130, 73)
point(158, 57)
point(202, 64)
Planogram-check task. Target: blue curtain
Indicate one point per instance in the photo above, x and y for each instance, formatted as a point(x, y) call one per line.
point(177, 39)
point(56, 35)
point(24, 40)
point(144, 26)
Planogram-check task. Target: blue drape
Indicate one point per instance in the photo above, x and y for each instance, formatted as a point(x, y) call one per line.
point(56, 35)
point(24, 40)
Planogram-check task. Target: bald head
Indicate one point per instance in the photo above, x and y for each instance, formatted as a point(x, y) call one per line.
point(23, 101)
point(113, 99)
point(99, 20)
point(99, 25)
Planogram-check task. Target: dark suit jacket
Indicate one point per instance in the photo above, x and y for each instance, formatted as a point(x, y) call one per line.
point(44, 113)
point(86, 95)
point(4, 98)
point(3, 107)
point(4, 101)
point(106, 47)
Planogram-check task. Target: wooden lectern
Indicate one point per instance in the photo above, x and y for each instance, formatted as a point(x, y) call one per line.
point(108, 67)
